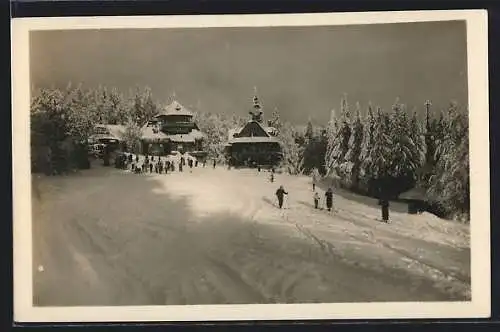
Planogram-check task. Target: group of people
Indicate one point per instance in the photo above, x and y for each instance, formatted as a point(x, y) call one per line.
point(281, 192)
point(156, 164)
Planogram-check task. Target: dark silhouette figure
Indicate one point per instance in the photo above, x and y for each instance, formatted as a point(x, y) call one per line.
point(136, 158)
point(384, 204)
point(280, 193)
point(215, 163)
point(151, 167)
point(329, 199)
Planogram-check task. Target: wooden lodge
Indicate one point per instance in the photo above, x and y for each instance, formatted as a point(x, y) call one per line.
point(173, 129)
point(254, 144)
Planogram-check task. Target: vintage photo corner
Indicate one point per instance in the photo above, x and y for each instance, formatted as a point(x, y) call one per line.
point(308, 167)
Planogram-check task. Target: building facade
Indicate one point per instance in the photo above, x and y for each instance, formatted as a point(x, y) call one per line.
point(254, 144)
point(173, 129)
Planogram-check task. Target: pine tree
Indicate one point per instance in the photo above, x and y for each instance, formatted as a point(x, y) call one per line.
point(81, 114)
point(367, 144)
point(341, 143)
point(352, 164)
point(137, 108)
point(418, 145)
point(118, 111)
point(449, 184)
point(331, 139)
point(275, 121)
point(132, 135)
point(380, 155)
point(150, 108)
point(293, 151)
point(309, 131)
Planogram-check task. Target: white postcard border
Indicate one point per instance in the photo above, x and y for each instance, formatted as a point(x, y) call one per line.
point(479, 177)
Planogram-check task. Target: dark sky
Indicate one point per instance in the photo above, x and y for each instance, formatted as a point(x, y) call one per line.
point(303, 71)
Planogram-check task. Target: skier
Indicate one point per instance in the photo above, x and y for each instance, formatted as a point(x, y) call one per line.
point(280, 194)
point(384, 203)
point(151, 167)
point(329, 198)
point(215, 163)
point(271, 178)
point(316, 199)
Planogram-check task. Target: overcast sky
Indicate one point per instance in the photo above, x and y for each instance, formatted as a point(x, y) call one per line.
point(301, 70)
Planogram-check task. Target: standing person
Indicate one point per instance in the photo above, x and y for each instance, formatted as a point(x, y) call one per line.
point(314, 180)
point(215, 163)
point(329, 199)
point(280, 193)
point(204, 162)
point(160, 167)
point(271, 178)
point(136, 158)
point(196, 163)
point(316, 199)
point(180, 166)
point(151, 167)
point(384, 204)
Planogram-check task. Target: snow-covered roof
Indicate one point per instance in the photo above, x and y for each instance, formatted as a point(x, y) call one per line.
point(232, 132)
point(106, 131)
point(191, 137)
point(150, 133)
point(175, 108)
point(116, 130)
point(416, 193)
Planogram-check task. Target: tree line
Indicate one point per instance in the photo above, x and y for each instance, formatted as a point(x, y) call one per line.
point(387, 153)
point(380, 153)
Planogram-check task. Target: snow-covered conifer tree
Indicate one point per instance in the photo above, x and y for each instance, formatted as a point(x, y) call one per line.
point(352, 164)
point(331, 138)
point(365, 172)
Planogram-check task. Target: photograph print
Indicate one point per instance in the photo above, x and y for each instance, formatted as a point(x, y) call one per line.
point(306, 164)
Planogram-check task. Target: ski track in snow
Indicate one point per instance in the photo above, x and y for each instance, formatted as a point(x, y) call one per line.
point(216, 236)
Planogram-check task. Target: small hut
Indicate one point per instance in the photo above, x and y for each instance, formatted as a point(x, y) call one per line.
point(415, 199)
